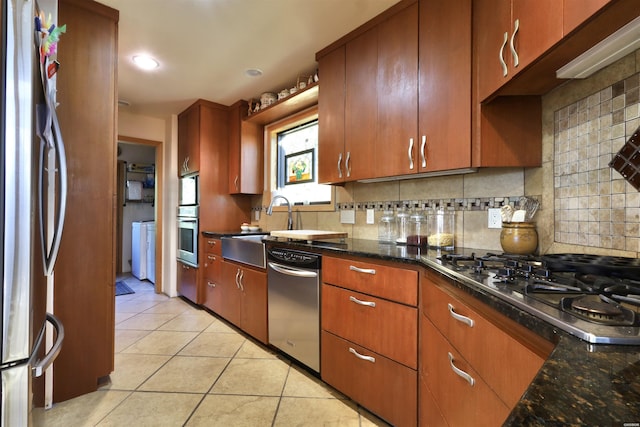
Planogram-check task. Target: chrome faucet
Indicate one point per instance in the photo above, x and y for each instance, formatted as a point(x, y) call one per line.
point(270, 209)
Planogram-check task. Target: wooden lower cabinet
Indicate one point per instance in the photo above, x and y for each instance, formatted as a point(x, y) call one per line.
point(241, 298)
point(383, 386)
point(188, 282)
point(383, 326)
point(460, 402)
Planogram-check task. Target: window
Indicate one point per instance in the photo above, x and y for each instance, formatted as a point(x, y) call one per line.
point(294, 162)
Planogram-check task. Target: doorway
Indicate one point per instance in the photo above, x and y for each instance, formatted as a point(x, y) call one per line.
point(140, 163)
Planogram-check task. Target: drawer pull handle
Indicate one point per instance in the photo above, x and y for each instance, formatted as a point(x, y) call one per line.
point(360, 356)
point(211, 242)
point(460, 372)
point(514, 52)
point(464, 319)
point(503, 64)
point(367, 303)
point(211, 284)
point(211, 257)
point(410, 153)
point(362, 270)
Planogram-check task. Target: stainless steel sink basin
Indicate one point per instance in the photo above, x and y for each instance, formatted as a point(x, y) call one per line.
point(247, 249)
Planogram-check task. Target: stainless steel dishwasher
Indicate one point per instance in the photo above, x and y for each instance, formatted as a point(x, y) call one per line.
point(294, 304)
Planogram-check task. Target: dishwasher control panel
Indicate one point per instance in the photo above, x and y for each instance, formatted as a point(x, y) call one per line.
point(299, 259)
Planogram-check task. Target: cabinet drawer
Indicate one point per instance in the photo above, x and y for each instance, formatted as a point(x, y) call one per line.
point(383, 386)
point(396, 284)
point(460, 402)
point(388, 328)
point(213, 246)
point(508, 364)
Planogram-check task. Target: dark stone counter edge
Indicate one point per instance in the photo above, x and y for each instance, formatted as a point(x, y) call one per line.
point(579, 384)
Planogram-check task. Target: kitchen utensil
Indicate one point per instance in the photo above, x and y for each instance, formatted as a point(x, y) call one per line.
point(530, 206)
point(519, 216)
point(506, 212)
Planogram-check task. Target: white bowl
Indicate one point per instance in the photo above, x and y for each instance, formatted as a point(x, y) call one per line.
point(254, 228)
point(245, 228)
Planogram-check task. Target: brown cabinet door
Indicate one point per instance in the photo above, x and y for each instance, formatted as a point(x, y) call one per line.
point(392, 283)
point(245, 152)
point(188, 282)
point(491, 24)
point(445, 86)
point(229, 303)
point(189, 141)
point(397, 89)
point(461, 403)
point(388, 328)
point(331, 117)
point(539, 28)
point(575, 12)
point(361, 106)
point(383, 386)
point(506, 364)
point(253, 284)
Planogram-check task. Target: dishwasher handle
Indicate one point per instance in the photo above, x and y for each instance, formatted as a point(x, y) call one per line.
point(292, 271)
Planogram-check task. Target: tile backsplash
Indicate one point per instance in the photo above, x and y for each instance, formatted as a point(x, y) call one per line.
point(594, 206)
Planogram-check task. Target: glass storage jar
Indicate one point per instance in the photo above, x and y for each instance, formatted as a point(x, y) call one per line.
point(402, 226)
point(441, 225)
point(387, 227)
point(417, 230)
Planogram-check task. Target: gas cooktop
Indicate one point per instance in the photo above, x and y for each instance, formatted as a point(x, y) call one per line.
point(596, 298)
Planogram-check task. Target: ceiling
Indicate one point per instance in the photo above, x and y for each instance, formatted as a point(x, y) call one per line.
point(205, 46)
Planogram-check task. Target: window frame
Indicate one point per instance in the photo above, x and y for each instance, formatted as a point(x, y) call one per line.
point(270, 149)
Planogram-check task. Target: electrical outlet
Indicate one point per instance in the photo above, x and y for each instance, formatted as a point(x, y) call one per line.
point(495, 218)
point(370, 217)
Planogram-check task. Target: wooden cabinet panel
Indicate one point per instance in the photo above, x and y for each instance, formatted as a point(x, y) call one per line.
point(189, 141)
point(361, 106)
point(188, 283)
point(429, 412)
point(507, 364)
point(385, 387)
point(392, 283)
point(253, 311)
point(397, 89)
point(385, 327)
point(213, 246)
point(460, 402)
point(540, 27)
point(84, 294)
point(575, 12)
point(229, 304)
point(245, 152)
point(444, 85)
point(331, 117)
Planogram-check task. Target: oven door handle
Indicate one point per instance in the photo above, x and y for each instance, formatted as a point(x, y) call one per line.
point(292, 271)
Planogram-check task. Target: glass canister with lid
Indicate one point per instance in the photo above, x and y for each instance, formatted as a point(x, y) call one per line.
point(402, 225)
point(418, 230)
point(442, 226)
point(387, 227)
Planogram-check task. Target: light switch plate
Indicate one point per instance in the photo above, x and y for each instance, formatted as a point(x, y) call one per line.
point(256, 215)
point(348, 216)
point(495, 218)
point(370, 216)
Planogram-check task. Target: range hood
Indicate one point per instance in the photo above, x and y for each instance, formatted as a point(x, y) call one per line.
point(609, 50)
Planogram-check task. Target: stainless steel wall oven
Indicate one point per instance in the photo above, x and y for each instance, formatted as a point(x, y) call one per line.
point(188, 235)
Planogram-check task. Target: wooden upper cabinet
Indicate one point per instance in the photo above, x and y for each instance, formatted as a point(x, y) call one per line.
point(361, 106)
point(444, 85)
point(575, 12)
point(331, 100)
point(189, 141)
point(245, 152)
point(509, 35)
point(397, 90)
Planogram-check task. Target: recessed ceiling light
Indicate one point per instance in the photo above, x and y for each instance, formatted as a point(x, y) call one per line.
point(253, 72)
point(145, 62)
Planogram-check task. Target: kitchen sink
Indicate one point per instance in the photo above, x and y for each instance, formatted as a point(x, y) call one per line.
point(247, 249)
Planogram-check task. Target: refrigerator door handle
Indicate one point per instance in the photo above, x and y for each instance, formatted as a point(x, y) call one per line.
point(51, 244)
point(38, 367)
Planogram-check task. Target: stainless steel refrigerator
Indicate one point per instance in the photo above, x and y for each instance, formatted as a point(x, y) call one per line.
point(32, 202)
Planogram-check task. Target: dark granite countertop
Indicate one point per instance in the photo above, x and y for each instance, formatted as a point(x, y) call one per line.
point(579, 384)
point(231, 233)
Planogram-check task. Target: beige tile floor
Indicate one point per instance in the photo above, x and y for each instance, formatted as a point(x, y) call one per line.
point(177, 365)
